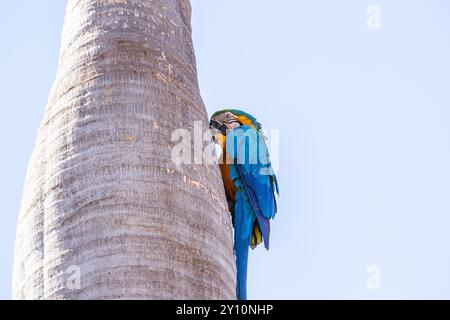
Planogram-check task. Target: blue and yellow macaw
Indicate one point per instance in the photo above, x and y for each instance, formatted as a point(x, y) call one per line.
point(250, 184)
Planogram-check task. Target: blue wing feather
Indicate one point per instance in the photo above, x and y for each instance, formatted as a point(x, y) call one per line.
point(248, 148)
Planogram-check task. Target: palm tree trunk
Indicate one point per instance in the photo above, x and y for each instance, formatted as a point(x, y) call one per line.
point(105, 213)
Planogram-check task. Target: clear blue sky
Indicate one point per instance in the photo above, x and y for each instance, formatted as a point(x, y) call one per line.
point(365, 135)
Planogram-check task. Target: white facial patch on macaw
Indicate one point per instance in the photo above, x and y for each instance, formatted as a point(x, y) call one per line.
point(233, 125)
point(226, 118)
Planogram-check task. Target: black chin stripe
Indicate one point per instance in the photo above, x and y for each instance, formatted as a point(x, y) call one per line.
point(219, 126)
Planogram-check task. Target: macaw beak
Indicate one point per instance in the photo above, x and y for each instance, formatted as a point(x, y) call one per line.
point(219, 126)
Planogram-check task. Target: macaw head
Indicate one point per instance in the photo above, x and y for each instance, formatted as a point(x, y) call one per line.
point(230, 119)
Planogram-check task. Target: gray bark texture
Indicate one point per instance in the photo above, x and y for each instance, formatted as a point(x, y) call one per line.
point(105, 212)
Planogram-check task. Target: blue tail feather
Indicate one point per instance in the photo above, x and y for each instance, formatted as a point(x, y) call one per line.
point(241, 248)
point(244, 221)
